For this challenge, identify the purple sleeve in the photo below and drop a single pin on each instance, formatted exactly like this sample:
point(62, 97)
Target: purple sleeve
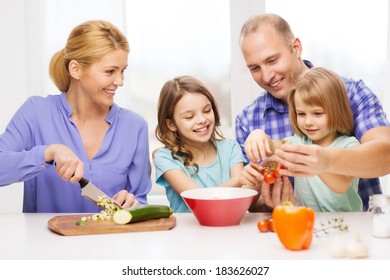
point(19, 159)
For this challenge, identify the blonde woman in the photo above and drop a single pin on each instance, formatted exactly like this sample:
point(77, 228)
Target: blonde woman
point(54, 141)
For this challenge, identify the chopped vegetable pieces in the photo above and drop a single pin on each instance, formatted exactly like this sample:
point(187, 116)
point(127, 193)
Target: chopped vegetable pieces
point(109, 209)
point(81, 223)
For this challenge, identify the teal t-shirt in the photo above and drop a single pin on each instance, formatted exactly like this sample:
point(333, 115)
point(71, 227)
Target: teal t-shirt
point(312, 191)
point(212, 175)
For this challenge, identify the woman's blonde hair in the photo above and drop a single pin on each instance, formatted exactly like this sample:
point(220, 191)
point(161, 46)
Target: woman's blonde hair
point(171, 93)
point(324, 88)
point(86, 44)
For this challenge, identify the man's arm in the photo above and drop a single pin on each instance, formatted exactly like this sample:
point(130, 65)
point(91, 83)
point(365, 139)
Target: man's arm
point(368, 160)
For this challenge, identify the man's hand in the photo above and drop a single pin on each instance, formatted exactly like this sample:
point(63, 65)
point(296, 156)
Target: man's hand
point(303, 160)
point(281, 190)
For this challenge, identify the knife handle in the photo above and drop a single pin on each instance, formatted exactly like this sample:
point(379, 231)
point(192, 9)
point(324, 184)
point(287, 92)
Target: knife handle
point(83, 182)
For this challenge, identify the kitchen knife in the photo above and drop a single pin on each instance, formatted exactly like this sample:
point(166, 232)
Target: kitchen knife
point(92, 193)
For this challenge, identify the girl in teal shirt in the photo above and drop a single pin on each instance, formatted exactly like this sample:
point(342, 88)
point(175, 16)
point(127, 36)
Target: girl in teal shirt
point(195, 153)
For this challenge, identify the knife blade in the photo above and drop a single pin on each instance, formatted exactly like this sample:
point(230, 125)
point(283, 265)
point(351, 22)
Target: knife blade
point(92, 193)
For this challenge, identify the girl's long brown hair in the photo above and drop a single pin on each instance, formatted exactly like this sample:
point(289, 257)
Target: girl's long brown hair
point(171, 93)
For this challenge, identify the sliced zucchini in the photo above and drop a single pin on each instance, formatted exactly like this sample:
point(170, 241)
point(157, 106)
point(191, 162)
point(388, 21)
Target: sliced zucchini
point(140, 213)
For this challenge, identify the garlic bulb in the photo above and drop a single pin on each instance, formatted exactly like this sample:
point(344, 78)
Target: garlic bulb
point(337, 248)
point(356, 248)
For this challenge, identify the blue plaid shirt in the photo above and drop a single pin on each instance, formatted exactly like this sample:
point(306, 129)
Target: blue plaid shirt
point(271, 115)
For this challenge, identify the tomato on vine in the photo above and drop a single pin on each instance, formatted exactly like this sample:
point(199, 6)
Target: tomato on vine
point(269, 178)
point(276, 172)
point(271, 171)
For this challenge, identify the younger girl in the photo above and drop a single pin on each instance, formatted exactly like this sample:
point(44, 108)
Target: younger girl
point(195, 154)
point(320, 114)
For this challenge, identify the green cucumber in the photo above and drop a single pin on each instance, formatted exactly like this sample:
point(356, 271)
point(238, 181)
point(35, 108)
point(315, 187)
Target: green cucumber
point(140, 213)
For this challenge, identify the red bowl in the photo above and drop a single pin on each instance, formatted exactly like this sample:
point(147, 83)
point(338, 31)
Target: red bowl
point(219, 206)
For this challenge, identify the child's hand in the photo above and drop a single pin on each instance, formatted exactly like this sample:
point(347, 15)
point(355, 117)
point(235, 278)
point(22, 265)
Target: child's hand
point(251, 174)
point(258, 145)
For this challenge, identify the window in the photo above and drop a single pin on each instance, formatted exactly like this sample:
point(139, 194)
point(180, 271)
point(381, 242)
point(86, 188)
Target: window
point(353, 44)
point(172, 38)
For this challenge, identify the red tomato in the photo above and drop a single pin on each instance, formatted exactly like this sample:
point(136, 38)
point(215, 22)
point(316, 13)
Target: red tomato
point(265, 170)
point(263, 226)
point(269, 178)
point(276, 170)
point(271, 225)
point(276, 173)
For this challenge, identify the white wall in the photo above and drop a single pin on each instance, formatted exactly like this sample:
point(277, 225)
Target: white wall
point(385, 181)
point(13, 58)
point(243, 88)
point(13, 75)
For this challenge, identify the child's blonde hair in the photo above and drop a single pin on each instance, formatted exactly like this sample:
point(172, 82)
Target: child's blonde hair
point(324, 88)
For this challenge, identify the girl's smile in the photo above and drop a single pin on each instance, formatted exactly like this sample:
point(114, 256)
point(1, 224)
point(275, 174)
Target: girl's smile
point(202, 131)
point(193, 119)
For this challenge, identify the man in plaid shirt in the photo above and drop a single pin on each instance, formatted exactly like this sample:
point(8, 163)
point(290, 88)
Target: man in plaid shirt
point(273, 56)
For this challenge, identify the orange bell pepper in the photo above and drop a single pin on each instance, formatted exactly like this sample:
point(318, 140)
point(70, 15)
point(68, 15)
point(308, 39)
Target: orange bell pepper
point(294, 225)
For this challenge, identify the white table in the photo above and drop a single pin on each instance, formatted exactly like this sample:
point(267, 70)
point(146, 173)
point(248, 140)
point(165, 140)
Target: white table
point(27, 237)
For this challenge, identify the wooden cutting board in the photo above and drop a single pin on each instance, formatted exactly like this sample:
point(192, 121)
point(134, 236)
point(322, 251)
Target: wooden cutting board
point(66, 225)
